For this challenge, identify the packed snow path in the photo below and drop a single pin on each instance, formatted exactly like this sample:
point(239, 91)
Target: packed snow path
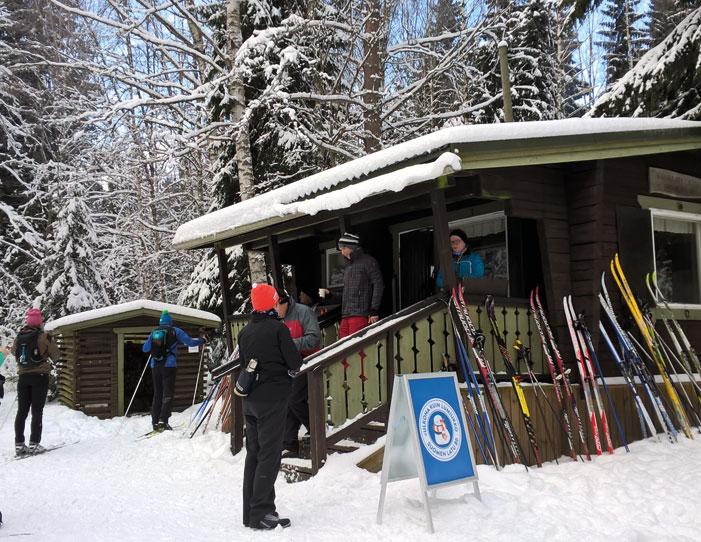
point(108, 486)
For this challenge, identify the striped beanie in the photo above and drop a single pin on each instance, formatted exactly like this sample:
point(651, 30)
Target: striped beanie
point(348, 240)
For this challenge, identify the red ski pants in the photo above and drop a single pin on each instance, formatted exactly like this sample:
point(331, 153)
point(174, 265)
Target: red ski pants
point(351, 324)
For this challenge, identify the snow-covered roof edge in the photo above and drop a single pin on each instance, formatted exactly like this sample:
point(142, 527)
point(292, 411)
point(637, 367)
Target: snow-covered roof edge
point(211, 227)
point(131, 306)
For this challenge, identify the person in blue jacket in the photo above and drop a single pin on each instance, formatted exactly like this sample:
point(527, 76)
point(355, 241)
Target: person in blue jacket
point(466, 263)
point(162, 344)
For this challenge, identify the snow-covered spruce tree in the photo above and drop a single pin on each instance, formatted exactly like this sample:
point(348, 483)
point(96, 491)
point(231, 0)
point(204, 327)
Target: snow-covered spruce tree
point(543, 82)
point(36, 97)
point(666, 81)
point(71, 282)
point(665, 15)
point(624, 39)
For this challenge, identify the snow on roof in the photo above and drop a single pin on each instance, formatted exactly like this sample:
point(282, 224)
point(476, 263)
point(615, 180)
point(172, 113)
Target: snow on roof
point(212, 226)
point(229, 218)
point(131, 306)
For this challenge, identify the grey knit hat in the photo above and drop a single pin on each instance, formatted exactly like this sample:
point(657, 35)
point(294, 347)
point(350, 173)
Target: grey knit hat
point(348, 240)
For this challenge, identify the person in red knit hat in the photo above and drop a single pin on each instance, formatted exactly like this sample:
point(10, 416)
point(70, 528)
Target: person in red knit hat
point(32, 349)
point(267, 340)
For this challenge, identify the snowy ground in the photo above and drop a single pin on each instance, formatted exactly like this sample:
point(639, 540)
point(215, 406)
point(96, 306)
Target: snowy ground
point(108, 486)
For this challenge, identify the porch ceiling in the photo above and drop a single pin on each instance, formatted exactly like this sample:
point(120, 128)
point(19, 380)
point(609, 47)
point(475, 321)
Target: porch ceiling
point(299, 204)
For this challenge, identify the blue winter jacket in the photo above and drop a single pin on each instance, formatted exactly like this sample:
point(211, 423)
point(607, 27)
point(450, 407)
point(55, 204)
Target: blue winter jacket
point(465, 266)
point(182, 338)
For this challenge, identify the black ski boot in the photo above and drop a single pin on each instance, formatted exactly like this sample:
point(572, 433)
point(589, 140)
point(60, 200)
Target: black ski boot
point(163, 426)
point(270, 522)
point(21, 450)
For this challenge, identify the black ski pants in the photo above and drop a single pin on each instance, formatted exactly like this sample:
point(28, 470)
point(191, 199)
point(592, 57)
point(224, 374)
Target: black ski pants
point(297, 412)
point(31, 394)
point(265, 424)
point(163, 389)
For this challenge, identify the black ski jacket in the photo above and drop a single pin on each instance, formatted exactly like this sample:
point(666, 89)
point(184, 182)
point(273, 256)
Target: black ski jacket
point(362, 285)
point(266, 339)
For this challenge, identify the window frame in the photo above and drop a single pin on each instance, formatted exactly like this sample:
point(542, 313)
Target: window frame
point(682, 216)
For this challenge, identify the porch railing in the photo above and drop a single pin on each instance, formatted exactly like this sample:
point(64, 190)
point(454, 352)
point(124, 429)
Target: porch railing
point(350, 380)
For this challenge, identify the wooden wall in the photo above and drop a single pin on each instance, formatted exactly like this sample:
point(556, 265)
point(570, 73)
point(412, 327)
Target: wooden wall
point(587, 212)
point(539, 193)
point(546, 422)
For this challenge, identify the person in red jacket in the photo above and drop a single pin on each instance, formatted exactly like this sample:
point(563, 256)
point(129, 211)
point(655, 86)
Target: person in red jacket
point(305, 333)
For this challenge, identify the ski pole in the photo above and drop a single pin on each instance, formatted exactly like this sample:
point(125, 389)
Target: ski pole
point(204, 404)
point(197, 381)
point(7, 416)
point(137, 386)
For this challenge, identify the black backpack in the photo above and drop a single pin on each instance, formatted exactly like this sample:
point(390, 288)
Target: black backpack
point(27, 350)
point(162, 339)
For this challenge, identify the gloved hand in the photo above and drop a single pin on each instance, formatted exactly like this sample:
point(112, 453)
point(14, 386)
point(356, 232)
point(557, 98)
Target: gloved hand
point(292, 373)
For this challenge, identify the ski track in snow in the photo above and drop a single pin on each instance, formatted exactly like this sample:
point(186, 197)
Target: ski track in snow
point(110, 487)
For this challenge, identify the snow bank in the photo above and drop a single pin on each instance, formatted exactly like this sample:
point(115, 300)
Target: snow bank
point(110, 487)
point(175, 310)
point(276, 202)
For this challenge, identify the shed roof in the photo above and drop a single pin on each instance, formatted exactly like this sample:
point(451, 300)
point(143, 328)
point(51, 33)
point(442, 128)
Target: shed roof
point(478, 147)
point(123, 311)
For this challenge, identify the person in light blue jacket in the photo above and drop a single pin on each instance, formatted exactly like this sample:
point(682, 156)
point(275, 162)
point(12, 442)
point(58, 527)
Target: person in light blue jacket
point(162, 344)
point(466, 263)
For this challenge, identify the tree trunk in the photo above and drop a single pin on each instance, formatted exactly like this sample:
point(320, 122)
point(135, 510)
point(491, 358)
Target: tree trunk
point(244, 160)
point(373, 76)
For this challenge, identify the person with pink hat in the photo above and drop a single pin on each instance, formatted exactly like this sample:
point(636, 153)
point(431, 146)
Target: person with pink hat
point(32, 349)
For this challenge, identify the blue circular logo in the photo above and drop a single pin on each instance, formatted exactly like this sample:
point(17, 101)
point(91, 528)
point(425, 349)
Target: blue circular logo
point(439, 429)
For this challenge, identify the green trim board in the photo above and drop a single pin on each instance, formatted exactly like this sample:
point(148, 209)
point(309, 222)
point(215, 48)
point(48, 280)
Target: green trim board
point(669, 204)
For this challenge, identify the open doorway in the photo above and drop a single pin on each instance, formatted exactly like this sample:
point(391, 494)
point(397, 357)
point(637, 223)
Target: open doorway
point(134, 361)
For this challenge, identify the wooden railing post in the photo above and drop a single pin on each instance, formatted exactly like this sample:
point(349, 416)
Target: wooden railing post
point(389, 367)
point(317, 418)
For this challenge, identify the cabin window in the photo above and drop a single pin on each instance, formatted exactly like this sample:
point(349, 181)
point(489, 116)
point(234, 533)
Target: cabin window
point(487, 235)
point(677, 245)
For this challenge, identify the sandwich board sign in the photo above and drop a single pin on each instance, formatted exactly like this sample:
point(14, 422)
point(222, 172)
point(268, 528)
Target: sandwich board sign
point(427, 437)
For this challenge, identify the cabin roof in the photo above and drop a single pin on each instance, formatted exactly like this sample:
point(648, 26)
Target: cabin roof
point(443, 152)
point(124, 311)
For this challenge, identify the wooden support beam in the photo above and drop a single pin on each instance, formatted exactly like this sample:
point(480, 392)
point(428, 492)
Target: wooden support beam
point(317, 418)
point(236, 402)
point(343, 224)
point(226, 297)
point(441, 241)
point(274, 261)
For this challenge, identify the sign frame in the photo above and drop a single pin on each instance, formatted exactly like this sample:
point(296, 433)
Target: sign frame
point(404, 458)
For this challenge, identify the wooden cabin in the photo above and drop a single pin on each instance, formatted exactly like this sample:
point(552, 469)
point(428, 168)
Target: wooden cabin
point(546, 204)
point(101, 358)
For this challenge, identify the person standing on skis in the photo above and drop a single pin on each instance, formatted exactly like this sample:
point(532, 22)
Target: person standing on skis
point(32, 349)
point(162, 344)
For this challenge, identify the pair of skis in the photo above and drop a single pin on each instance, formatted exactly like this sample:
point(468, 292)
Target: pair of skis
point(653, 346)
point(477, 342)
point(560, 376)
point(632, 366)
